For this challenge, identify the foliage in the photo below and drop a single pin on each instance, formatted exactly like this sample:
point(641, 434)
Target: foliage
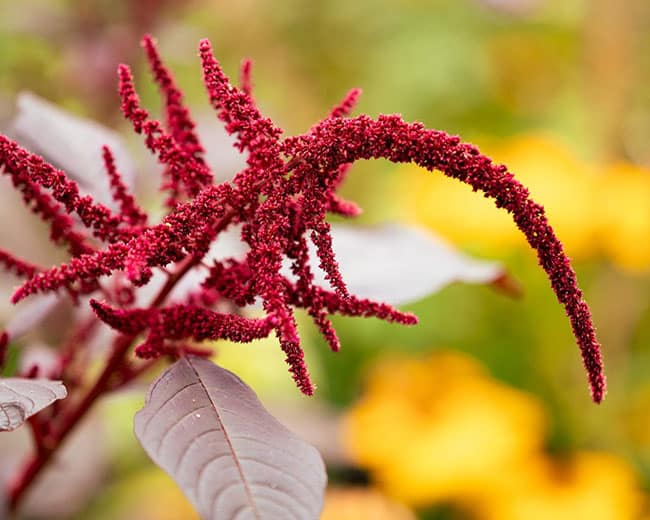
point(499, 327)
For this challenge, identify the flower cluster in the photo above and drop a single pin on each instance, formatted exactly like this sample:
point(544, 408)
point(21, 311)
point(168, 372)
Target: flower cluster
point(280, 200)
point(500, 467)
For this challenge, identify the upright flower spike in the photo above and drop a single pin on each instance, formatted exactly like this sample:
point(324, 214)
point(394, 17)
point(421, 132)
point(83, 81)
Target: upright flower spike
point(129, 210)
point(185, 168)
point(336, 204)
point(180, 126)
point(344, 108)
point(236, 108)
point(179, 122)
point(270, 222)
point(245, 77)
point(281, 199)
point(254, 133)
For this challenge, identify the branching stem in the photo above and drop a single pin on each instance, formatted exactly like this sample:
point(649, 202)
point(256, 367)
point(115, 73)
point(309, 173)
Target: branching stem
point(70, 416)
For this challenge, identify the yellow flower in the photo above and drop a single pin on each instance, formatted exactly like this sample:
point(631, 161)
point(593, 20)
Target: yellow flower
point(362, 504)
point(440, 429)
point(258, 364)
point(596, 486)
point(452, 210)
point(565, 186)
point(150, 495)
point(625, 216)
point(595, 210)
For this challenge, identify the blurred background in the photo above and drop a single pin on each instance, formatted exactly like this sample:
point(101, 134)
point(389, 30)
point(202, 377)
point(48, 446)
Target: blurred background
point(481, 411)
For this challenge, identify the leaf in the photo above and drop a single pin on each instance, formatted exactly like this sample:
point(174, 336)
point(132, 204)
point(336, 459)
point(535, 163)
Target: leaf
point(354, 502)
point(398, 264)
point(21, 398)
point(232, 459)
point(71, 143)
point(317, 423)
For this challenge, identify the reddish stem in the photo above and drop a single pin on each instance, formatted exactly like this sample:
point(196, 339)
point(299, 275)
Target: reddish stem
point(38, 436)
point(47, 448)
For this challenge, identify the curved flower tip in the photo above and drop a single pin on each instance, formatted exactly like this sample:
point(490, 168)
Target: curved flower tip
point(599, 389)
point(344, 108)
point(295, 358)
point(204, 45)
point(306, 387)
point(131, 321)
point(245, 81)
point(337, 141)
point(129, 210)
point(597, 379)
point(148, 42)
point(130, 100)
point(17, 265)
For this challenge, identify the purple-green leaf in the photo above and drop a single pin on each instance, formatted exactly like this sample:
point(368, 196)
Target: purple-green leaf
point(231, 458)
point(71, 143)
point(401, 264)
point(21, 398)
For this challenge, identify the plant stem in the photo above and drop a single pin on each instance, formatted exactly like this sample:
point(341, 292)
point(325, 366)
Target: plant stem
point(69, 419)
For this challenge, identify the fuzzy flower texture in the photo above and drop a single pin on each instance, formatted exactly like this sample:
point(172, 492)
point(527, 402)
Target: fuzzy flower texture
point(280, 200)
